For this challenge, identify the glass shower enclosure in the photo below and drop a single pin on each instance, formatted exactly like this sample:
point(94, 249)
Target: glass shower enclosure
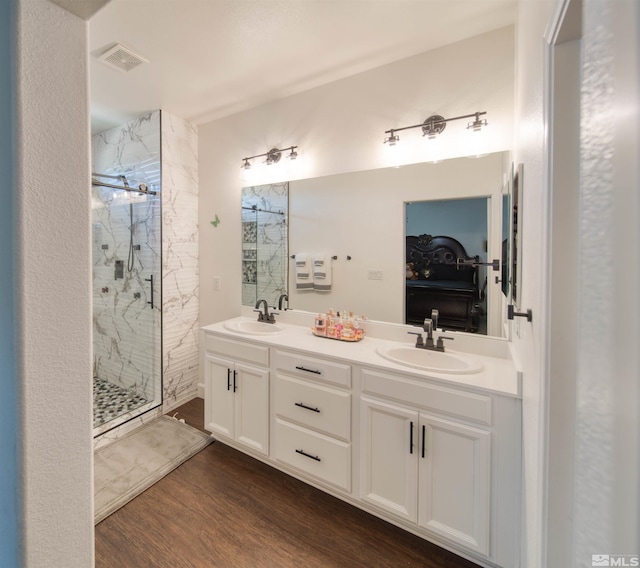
point(127, 268)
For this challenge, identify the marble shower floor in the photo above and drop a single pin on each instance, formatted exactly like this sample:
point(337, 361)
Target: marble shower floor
point(111, 401)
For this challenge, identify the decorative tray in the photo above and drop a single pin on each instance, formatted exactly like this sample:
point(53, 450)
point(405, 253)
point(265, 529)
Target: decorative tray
point(340, 338)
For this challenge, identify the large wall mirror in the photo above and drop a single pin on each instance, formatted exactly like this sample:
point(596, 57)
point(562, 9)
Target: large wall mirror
point(360, 222)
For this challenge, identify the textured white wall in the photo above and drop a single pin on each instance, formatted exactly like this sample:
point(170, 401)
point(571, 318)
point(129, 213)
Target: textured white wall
point(53, 218)
point(607, 508)
point(339, 128)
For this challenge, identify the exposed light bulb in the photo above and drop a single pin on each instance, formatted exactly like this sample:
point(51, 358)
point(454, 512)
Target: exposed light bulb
point(477, 124)
point(392, 138)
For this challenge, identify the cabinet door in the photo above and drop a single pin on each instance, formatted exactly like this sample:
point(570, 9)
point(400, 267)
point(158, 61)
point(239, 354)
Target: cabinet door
point(389, 458)
point(454, 482)
point(252, 407)
point(219, 396)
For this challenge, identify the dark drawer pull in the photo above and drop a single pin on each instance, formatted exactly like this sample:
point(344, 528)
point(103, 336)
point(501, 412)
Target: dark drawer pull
point(424, 437)
point(300, 368)
point(308, 455)
point(301, 405)
point(411, 438)
point(228, 379)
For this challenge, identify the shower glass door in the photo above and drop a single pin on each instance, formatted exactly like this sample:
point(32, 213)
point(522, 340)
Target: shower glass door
point(127, 262)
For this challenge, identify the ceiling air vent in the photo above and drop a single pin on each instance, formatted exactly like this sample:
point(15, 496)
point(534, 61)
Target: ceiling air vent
point(122, 58)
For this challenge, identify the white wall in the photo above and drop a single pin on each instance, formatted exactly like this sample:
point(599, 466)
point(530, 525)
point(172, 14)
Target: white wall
point(339, 128)
point(563, 330)
point(529, 339)
point(53, 285)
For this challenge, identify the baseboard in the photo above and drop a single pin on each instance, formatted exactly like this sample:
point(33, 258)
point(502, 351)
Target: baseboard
point(200, 390)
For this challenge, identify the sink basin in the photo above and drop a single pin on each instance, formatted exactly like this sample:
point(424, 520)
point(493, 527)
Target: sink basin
point(434, 361)
point(253, 327)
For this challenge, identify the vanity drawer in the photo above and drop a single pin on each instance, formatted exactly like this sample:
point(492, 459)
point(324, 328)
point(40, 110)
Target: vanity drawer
point(312, 368)
point(237, 350)
point(313, 405)
point(315, 454)
point(472, 406)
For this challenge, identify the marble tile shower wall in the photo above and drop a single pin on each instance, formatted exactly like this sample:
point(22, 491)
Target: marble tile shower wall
point(179, 259)
point(265, 259)
point(126, 329)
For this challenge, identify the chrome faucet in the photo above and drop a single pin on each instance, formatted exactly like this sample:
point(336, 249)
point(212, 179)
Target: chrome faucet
point(281, 299)
point(435, 314)
point(427, 343)
point(265, 316)
point(428, 329)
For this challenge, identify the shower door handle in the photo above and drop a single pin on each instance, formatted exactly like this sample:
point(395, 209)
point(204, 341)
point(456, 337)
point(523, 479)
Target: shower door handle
point(150, 279)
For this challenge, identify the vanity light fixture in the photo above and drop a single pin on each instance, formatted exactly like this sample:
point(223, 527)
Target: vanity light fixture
point(477, 124)
point(435, 125)
point(392, 138)
point(273, 156)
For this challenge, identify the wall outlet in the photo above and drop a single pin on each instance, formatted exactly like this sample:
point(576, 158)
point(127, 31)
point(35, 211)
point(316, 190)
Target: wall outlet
point(374, 274)
point(216, 282)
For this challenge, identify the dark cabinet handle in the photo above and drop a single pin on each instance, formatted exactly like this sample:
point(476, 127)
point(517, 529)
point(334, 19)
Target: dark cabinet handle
point(300, 368)
point(301, 405)
point(150, 279)
point(228, 379)
point(424, 435)
point(235, 384)
point(308, 455)
point(411, 438)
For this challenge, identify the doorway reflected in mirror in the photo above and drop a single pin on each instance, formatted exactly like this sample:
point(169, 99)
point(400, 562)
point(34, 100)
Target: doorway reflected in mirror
point(440, 237)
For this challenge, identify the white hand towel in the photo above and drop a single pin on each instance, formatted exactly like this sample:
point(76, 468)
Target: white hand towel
point(322, 272)
point(303, 274)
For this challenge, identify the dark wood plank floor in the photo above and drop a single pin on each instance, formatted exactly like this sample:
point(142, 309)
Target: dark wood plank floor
point(224, 509)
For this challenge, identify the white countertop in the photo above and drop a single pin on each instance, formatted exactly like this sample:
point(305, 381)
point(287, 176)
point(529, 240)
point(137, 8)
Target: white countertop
point(498, 375)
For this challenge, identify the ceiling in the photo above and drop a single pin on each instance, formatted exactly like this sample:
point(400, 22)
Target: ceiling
point(212, 58)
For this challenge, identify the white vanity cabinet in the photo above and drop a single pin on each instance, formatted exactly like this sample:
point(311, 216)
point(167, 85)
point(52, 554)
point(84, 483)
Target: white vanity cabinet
point(438, 456)
point(237, 392)
point(426, 456)
point(311, 411)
